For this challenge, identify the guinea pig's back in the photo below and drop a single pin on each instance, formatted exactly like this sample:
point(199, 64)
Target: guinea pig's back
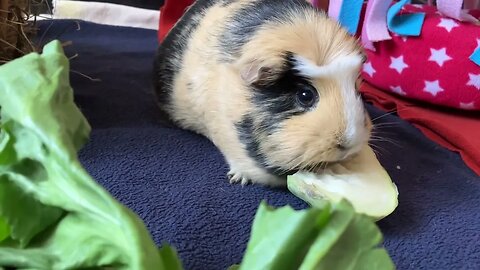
point(212, 32)
point(170, 54)
point(189, 72)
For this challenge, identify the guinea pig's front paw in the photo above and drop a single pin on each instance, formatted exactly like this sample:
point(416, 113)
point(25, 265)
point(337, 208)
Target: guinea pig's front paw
point(236, 177)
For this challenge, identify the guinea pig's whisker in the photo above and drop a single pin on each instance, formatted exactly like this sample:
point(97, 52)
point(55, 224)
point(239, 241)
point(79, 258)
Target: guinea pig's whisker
point(374, 149)
point(378, 150)
point(382, 132)
point(374, 145)
point(383, 115)
point(381, 135)
point(380, 140)
point(377, 136)
point(323, 165)
point(385, 139)
point(393, 142)
point(299, 163)
point(387, 124)
point(296, 163)
point(315, 168)
point(388, 113)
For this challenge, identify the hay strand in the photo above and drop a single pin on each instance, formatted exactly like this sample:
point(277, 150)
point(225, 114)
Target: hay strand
point(16, 29)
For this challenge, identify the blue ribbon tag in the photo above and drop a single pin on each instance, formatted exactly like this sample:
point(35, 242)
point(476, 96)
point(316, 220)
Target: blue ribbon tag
point(349, 16)
point(407, 24)
point(475, 57)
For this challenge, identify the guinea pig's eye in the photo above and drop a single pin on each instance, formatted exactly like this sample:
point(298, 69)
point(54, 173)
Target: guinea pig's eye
point(306, 96)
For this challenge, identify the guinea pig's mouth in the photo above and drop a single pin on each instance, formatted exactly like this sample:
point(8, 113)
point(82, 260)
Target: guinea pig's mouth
point(318, 167)
point(315, 168)
point(284, 173)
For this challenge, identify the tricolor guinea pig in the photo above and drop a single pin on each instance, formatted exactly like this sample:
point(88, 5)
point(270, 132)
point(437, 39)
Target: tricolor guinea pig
point(272, 83)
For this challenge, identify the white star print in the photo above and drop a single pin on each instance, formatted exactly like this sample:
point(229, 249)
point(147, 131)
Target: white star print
point(474, 80)
point(478, 44)
point(467, 106)
point(398, 64)
point(433, 87)
point(398, 90)
point(439, 56)
point(448, 24)
point(368, 68)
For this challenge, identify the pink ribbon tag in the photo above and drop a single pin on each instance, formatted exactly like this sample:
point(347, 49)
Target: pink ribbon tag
point(334, 9)
point(454, 9)
point(375, 24)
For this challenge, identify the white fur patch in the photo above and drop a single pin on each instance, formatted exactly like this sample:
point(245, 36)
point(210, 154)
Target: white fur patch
point(345, 71)
point(349, 63)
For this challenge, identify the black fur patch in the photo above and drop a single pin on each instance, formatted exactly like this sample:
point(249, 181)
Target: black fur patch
point(245, 23)
point(273, 105)
point(279, 100)
point(247, 134)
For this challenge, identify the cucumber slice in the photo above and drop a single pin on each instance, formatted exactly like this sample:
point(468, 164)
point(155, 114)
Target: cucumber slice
point(362, 181)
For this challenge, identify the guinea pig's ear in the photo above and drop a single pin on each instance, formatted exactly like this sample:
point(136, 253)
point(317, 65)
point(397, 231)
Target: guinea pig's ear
point(260, 72)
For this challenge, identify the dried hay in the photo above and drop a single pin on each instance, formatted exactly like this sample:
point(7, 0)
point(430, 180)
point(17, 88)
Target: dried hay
point(16, 29)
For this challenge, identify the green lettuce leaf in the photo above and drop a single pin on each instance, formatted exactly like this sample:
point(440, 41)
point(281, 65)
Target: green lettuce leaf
point(332, 237)
point(53, 215)
point(4, 229)
point(24, 224)
point(170, 258)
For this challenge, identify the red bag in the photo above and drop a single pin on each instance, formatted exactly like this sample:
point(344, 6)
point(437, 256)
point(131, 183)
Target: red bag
point(434, 67)
point(170, 12)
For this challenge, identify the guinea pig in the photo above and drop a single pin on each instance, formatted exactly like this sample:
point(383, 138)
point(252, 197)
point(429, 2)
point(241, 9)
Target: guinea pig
point(272, 83)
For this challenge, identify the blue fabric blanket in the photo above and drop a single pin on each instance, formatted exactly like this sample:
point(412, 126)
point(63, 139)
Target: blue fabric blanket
point(175, 180)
